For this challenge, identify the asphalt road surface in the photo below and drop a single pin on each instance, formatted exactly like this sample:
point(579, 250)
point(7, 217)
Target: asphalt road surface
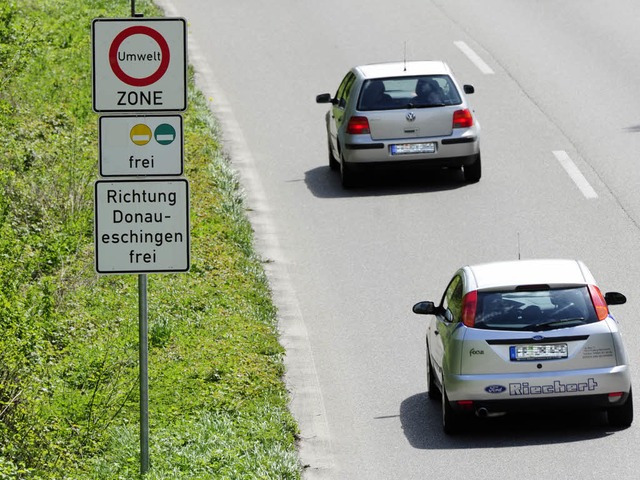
point(558, 100)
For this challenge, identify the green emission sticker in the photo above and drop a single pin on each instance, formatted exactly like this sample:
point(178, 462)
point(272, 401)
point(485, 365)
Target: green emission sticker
point(141, 134)
point(164, 134)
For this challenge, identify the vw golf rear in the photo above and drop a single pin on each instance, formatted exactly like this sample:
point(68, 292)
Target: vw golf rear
point(401, 113)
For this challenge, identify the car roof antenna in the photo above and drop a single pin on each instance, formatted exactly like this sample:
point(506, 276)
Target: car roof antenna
point(518, 245)
point(405, 55)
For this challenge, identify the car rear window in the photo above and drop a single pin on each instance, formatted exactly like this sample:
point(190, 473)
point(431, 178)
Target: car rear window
point(535, 309)
point(403, 92)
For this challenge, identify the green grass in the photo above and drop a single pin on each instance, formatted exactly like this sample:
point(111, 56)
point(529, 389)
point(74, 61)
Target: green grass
point(69, 405)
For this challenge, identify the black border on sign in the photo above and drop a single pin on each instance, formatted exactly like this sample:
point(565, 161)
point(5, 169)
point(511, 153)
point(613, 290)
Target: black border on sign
point(141, 22)
point(95, 226)
point(100, 146)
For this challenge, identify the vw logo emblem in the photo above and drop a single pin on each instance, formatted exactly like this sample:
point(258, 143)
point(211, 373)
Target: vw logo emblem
point(410, 116)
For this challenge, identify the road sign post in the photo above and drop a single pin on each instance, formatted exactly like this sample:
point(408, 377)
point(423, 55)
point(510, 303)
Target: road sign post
point(141, 226)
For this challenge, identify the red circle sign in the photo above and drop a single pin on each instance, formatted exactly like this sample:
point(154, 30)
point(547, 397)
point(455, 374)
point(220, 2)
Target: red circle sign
point(164, 60)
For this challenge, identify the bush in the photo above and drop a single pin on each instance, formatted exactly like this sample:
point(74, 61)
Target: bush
point(69, 399)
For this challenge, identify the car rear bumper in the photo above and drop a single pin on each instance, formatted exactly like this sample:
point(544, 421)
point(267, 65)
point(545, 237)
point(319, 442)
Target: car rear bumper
point(591, 386)
point(450, 151)
point(492, 407)
point(430, 163)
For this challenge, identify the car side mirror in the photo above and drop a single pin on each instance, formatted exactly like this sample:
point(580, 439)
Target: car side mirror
point(323, 98)
point(424, 308)
point(469, 89)
point(615, 298)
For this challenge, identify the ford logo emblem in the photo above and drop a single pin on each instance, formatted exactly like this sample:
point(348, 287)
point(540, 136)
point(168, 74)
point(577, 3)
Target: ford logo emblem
point(538, 338)
point(495, 389)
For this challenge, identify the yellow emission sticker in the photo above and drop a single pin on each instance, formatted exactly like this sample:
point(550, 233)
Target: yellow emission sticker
point(140, 134)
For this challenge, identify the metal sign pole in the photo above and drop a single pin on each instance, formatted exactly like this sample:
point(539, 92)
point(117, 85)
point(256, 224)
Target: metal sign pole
point(143, 320)
point(166, 94)
point(144, 374)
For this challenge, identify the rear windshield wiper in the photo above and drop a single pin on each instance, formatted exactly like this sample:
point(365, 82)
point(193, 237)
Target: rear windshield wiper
point(549, 324)
point(425, 105)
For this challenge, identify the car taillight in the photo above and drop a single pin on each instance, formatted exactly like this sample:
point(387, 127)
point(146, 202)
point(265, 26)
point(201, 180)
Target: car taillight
point(599, 303)
point(358, 125)
point(465, 404)
point(615, 396)
point(469, 303)
point(462, 118)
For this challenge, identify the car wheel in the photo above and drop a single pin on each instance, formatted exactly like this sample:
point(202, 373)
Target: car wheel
point(473, 172)
point(333, 163)
point(451, 421)
point(346, 175)
point(622, 416)
point(432, 389)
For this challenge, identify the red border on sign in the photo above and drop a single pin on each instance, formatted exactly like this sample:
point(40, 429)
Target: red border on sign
point(139, 30)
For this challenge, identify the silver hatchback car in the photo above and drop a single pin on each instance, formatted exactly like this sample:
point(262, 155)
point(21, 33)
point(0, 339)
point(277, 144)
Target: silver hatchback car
point(401, 113)
point(525, 335)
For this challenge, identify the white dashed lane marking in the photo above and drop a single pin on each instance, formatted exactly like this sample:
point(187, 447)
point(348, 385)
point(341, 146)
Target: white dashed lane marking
point(575, 174)
point(474, 57)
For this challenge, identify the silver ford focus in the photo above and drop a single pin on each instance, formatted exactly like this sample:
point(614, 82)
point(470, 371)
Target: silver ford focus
point(389, 114)
point(525, 335)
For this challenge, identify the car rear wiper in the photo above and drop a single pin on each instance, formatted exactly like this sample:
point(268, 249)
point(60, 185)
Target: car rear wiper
point(549, 324)
point(425, 105)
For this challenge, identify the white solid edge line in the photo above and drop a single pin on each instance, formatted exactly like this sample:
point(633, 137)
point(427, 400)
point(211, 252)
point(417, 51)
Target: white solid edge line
point(315, 449)
point(574, 172)
point(474, 57)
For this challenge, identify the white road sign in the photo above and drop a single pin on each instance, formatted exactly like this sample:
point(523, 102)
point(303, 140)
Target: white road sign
point(142, 226)
point(139, 64)
point(141, 145)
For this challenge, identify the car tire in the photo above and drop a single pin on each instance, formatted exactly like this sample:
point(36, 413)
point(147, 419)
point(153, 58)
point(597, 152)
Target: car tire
point(334, 164)
point(432, 389)
point(473, 172)
point(451, 420)
point(346, 175)
point(621, 417)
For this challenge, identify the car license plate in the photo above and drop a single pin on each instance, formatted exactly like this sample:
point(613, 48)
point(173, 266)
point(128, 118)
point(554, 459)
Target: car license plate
point(538, 352)
point(406, 148)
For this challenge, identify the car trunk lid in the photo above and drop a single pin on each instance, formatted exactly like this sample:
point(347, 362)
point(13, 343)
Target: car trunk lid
point(411, 123)
point(504, 352)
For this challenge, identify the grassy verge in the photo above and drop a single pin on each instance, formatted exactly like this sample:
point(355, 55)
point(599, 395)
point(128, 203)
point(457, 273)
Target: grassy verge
point(69, 349)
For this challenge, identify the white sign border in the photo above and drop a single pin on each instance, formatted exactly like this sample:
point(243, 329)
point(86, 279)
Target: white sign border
point(102, 148)
point(135, 108)
point(143, 271)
